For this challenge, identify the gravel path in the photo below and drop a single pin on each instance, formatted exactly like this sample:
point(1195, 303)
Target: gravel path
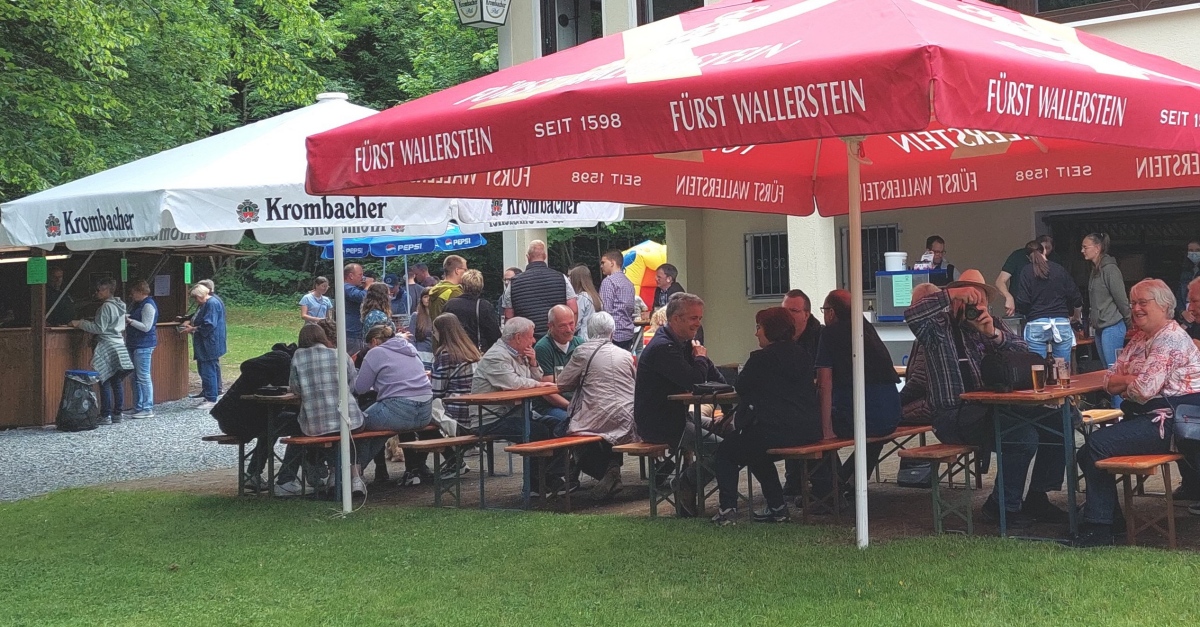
point(37, 461)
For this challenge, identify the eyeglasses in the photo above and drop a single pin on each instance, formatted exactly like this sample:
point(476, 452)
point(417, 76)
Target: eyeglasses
point(824, 309)
point(1142, 302)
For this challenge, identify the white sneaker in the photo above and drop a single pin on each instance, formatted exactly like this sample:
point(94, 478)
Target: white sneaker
point(141, 414)
point(357, 487)
point(206, 405)
point(291, 488)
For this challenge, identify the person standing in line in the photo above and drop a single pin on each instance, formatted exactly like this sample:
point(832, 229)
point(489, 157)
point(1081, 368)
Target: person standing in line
point(617, 291)
point(110, 359)
point(453, 268)
point(1109, 312)
point(62, 313)
point(355, 292)
point(1049, 299)
point(666, 285)
point(315, 305)
point(585, 296)
point(141, 336)
point(533, 292)
point(476, 314)
point(1016, 261)
point(1190, 271)
point(208, 342)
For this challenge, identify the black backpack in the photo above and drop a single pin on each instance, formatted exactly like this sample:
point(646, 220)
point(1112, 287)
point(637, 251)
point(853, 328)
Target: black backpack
point(1008, 371)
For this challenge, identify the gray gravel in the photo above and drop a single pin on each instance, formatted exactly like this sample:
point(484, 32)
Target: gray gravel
point(37, 461)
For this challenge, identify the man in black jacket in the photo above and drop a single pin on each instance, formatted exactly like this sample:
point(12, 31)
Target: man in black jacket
point(807, 334)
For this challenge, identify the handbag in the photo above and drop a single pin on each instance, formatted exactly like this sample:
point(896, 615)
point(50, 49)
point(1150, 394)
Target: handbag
point(1009, 370)
point(1186, 429)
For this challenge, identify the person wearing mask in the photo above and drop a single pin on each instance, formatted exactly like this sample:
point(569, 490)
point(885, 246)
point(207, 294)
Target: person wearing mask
point(315, 305)
point(403, 398)
point(807, 333)
point(585, 296)
point(1049, 299)
point(110, 358)
point(141, 336)
point(601, 376)
point(1190, 271)
point(553, 352)
point(1011, 271)
point(1160, 362)
point(619, 296)
point(61, 314)
point(376, 308)
point(476, 314)
point(208, 342)
point(776, 408)
point(936, 246)
point(1108, 305)
point(533, 292)
point(665, 284)
point(355, 292)
point(453, 268)
point(835, 384)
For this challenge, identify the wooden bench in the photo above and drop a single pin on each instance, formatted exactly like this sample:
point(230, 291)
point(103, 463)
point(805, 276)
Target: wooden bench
point(243, 471)
point(957, 458)
point(1125, 467)
point(459, 444)
point(328, 441)
point(1094, 417)
point(550, 448)
point(645, 451)
point(827, 450)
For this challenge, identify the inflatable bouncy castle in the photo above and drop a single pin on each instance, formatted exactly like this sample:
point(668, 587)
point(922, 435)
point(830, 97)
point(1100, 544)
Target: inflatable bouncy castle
point(640, 263)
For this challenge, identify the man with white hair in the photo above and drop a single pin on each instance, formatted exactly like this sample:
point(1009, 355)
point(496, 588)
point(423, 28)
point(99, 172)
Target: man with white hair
point(602, 375)
point(537, 289)
point(511, 364)
point(553, 352)
point(208, 342)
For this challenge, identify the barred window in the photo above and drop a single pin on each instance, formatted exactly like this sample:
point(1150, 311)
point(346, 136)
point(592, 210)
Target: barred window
point(766, 265)
point(876, 240)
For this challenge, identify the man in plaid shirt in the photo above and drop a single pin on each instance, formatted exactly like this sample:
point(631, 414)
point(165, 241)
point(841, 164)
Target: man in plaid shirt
point(617, 294)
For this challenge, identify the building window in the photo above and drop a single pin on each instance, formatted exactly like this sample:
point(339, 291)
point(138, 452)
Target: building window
point(876, 240)
point(1064, 11)
point(654, 10)
point(766, 265)
point(567, 23)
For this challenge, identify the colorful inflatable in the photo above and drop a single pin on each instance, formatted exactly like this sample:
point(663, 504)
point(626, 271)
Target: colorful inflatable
point(640, 263)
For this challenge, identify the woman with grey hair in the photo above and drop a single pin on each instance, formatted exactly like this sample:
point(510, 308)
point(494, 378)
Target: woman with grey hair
point(602, 375)
point(110, 358)
point(1160, 362)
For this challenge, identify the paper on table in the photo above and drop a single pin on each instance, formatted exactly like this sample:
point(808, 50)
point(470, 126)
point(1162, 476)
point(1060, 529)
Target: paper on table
point(901, 290)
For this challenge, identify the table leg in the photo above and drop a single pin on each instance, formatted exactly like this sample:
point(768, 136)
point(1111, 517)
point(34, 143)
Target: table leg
point(996, 420)
point(272, 412)
point(1068, 434)
point(700, 485)
point(527, 410)
point(482, 471)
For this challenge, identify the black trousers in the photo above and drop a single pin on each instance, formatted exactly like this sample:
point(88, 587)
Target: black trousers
point(747, 448)
point(596, 459)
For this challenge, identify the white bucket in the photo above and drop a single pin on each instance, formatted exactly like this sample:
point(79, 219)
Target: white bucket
point(895, 262)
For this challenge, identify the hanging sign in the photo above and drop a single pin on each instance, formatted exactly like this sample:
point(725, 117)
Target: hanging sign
point(482, 13)
point(35, 271)
point(124, 270)
point(187, 273)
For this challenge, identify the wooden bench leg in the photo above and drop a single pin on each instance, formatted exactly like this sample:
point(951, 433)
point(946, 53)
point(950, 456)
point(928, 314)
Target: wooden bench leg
point(653, 485)
point(243, 471)
point(566, 479)
point(835, 481)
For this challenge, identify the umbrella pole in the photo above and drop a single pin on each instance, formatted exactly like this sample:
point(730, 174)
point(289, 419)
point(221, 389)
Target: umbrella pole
point(853, 144)
point(339, 299)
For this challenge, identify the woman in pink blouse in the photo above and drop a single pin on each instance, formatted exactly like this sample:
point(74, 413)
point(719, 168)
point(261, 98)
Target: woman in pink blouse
point(1159, 362)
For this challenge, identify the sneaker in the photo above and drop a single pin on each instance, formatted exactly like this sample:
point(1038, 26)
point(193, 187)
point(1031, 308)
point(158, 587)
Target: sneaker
point(291, 488)
point(206, 405)
point(448, 472)
point(608, 485)
point(1093, 535)
point(105, 420)
point(1038, 507)
point(357, 487)
point(425, 473)
point(409, 478)
point(139, 415)
point(116, 418)
point(254, 483)
point(1015, 520)
point(725, 517)
point(773, 515)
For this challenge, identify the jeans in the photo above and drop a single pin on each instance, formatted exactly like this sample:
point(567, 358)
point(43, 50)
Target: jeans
point(511, 427)
point(393, 414)
point(210, 378)
point(1137, 435)
point(143, 385)
point(556, 420)
point(1109, 340)
point(746, 449)
point(112, 394)
point(1041, 333)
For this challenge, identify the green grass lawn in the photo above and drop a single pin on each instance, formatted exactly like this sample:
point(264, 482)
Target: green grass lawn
point(87, 557)
point(251, 331)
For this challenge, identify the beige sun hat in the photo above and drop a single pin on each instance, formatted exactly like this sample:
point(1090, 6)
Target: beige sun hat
point(974, 278)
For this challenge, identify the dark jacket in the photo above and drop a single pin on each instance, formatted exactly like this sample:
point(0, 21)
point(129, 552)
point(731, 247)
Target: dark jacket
point(535, 291)
point(244, 418)
point(208, 342)
point(661, 297)
point(811, 338)
point(667, 367)
point(1056, 296)
point(777, 397)
point(483, 335)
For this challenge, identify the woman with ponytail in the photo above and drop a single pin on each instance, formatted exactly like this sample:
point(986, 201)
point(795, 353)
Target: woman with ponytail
point(1107, 300)
point(1049, 299)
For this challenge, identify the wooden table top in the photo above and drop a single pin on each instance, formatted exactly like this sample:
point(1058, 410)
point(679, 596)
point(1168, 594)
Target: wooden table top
point(688, 397)
point(506, 396)
point(290, 398)
point(1080, 384)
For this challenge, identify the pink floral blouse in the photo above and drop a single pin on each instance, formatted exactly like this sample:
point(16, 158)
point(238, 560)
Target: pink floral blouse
point(1167, 364)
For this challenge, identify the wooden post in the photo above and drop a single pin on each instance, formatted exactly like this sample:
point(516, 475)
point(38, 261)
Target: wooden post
point(37, 341)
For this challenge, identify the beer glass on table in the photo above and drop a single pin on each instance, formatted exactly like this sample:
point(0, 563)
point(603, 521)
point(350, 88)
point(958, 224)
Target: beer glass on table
point(1064, 372)
point(1039, 377)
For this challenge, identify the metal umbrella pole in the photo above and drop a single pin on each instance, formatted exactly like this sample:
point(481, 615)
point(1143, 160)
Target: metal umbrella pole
point(343, 380)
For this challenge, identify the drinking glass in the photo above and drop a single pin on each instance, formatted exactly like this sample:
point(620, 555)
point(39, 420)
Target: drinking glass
point(1039, 377)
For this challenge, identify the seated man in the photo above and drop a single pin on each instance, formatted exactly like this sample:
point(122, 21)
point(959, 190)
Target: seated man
point(1158, 363)
point(955, 330)
point(511, 364)
point(602, 374)
point(553, 352)
point(247, 419)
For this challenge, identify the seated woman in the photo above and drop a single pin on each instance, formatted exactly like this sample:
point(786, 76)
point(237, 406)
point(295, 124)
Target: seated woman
point(1158, 363)
point(777, 408)
point(403, 398)
point(420, 327)
point(602, 375)
point(377, 308)
point(313, 377)
point(454, 359)
point(835, 383)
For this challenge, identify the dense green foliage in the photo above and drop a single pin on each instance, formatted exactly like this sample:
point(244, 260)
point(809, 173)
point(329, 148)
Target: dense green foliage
point(89, 557)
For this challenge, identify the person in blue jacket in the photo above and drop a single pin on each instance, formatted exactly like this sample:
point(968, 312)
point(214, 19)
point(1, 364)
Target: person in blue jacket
point(141, 336)
point(208, 342)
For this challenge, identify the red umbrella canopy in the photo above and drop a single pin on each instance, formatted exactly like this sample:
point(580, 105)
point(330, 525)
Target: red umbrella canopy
point(729, 107)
